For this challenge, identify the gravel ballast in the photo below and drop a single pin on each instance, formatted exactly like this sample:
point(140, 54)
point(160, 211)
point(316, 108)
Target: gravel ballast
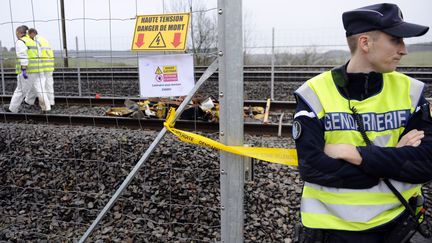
point(56, 179)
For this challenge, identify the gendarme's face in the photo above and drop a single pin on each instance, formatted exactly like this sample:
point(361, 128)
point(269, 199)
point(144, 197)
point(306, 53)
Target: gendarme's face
point(385, 52)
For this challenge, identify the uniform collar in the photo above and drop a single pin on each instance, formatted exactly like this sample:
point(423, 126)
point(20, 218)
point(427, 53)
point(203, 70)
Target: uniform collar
point(357, 86)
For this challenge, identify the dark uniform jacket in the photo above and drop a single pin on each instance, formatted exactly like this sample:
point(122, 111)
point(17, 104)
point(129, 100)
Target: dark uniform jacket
point(406, 164)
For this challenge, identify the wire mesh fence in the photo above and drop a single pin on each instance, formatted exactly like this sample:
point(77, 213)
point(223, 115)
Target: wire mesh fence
point(54, 192)
point(56, 180)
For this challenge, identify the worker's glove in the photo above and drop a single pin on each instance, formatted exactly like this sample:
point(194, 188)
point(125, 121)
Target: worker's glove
point(24, 73)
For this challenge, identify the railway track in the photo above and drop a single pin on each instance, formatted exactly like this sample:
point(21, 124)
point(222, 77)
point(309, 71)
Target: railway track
point(251, 73)
point(119, 101)
point(277, 122)
point(123, 82)
point(251, 127)
point(282, 74)
point(256, 128)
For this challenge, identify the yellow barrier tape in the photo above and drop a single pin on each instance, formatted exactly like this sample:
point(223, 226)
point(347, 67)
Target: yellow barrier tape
point(274, 155)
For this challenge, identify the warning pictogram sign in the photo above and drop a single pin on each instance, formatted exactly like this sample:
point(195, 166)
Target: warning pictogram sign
point(158, 70)
point(164, 32)
point(158, 42)
point(169, 74)
point(166, 75)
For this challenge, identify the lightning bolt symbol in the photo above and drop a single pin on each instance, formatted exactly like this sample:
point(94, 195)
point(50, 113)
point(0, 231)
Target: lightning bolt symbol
point(158, 40)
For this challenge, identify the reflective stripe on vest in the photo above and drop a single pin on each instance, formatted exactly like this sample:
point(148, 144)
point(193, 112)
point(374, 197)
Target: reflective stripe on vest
point(310, 97)
point(349, 209)
point(384, 118)
point(416, 90)
point(34, 64)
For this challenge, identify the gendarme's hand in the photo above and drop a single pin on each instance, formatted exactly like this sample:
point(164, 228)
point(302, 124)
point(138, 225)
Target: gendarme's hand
point(412, 138)
point(350, 153)
point(346, 152)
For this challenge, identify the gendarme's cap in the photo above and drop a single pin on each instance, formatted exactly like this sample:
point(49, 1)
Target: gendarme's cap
point(385, 17)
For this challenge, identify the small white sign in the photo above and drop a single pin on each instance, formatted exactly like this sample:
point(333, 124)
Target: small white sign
point(167, 75)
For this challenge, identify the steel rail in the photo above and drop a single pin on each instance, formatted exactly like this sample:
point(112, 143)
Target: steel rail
point(250, 75)
point(119, 101)
point(256, 128)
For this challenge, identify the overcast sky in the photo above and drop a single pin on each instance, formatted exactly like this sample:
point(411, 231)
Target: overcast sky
point(300, 22)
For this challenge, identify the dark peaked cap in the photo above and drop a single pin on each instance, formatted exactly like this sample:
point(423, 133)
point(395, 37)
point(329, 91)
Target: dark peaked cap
point(385, 17)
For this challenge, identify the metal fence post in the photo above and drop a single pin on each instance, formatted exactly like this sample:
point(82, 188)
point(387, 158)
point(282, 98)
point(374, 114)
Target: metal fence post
point(63, 21)
point(78, 67)
point(272, 66)
point(1, 69)
point(230, 47)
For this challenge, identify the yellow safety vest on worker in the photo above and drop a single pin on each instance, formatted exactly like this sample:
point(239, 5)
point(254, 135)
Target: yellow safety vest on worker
point(47, 54)
point(34, 65)
point(384, 117)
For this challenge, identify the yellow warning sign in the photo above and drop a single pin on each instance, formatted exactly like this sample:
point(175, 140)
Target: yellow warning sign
point(274, 155)
point(158, 71)
point(169, 69)
point(163, 32)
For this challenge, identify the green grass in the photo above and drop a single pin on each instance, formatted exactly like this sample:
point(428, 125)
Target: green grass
point(417, 59)
point(89, 63)
point(9, 62)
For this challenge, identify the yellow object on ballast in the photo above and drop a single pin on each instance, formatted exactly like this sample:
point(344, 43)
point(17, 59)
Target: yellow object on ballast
point(119, 111)
point(274, 155)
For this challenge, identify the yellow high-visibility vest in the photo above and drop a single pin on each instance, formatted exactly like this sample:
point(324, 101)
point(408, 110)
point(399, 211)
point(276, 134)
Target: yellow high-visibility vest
point(384, 116)
point(47, 54)
point(34, 65)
